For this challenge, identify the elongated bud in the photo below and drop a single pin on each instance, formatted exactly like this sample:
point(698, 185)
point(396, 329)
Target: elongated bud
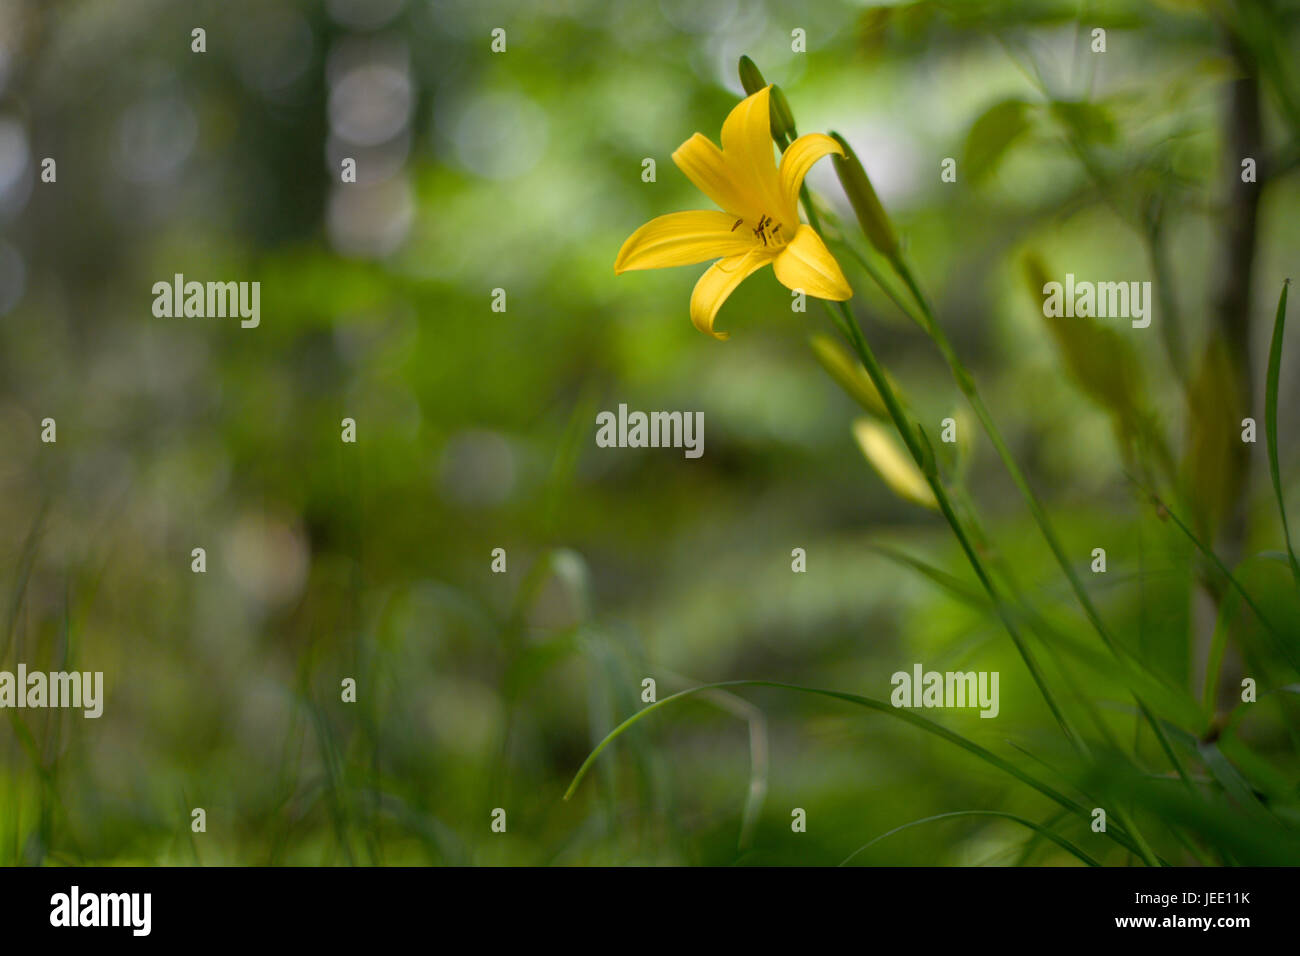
point(750, 77)
point(1035, 276)
point(782, 117)
point(848, 374)
point(866, 204)
point(892, 463)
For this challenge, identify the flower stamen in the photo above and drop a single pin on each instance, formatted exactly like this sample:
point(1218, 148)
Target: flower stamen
point(765, 231)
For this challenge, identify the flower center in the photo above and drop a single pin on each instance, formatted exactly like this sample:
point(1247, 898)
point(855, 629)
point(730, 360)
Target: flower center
point(765, 230)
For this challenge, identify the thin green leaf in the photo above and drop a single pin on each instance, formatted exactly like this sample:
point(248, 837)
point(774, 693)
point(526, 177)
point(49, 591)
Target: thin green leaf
point(1270, 422)
point(992, 134)
point(25, 564)
point(870, 703)
point(1280, 642)
point(955, 586)
point(1230, 778)
point(1249, 839)
point(1121, 665)
point(1218, 647)
point(1037, 828)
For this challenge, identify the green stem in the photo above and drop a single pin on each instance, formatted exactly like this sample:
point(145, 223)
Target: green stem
point(869, 267)
point(848, 326)
point(967, 385)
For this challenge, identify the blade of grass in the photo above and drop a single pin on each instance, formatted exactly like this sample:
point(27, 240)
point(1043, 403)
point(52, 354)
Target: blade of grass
point(1278, 638)
point(1037, 828)
point(1139, 683)
point(1231, 780)
point(25, 563)
point(756, 793)
point(1027, 851)
point(946, 581)
point(1250, 840)
point(905, 715)
point(1144, 849)
point(1270, 422)
point(1218, 647)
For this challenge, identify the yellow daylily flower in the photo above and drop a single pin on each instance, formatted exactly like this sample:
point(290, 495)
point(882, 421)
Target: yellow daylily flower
point(757, 224)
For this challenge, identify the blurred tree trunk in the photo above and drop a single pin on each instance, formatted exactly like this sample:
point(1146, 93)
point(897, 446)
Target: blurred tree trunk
point(1233, 302)
point(1228, 375)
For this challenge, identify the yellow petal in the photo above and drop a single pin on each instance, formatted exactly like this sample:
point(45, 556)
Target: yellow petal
point(748, 150)
point(682, 239)
point(718, 282)
point(799, 157)
point(704, 166)
point(892, 463)
point(805, 263)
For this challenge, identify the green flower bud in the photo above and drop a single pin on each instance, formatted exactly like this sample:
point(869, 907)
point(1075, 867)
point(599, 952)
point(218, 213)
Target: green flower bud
point(866, 204)
point(782, 117)
point(750, 77)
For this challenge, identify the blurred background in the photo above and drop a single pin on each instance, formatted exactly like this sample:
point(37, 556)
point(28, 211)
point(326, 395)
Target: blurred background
point(522, 171)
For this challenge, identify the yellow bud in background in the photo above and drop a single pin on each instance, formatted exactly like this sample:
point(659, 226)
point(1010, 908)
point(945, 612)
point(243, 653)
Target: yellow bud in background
point(892, 463)
point(866, 204)
point(1036, 276)
point(848, 373)
point(1099, 360)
